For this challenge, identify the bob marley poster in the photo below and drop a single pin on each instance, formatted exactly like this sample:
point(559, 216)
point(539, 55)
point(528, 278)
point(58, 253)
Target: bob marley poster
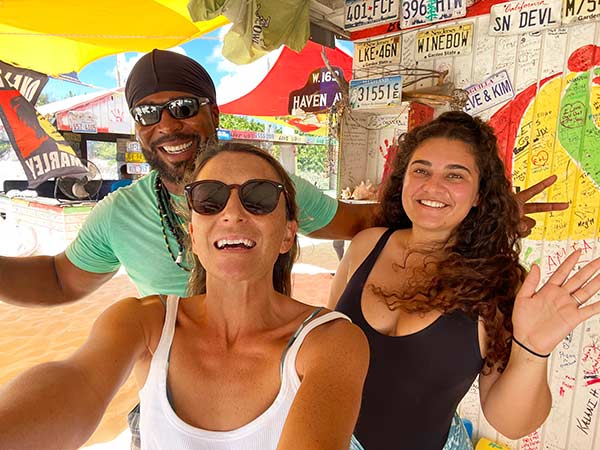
point(41, 149)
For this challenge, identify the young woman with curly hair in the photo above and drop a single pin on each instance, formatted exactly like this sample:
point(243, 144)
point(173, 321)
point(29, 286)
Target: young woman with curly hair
point(447, 300)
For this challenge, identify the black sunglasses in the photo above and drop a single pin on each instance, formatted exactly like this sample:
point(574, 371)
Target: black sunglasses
point(210, 196)
point(179, 108)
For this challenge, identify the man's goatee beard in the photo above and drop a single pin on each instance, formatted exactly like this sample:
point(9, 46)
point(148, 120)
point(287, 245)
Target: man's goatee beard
point(179, 173)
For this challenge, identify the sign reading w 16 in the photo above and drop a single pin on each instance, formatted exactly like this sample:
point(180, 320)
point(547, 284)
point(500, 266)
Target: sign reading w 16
point(417, 12)
point(367, 13)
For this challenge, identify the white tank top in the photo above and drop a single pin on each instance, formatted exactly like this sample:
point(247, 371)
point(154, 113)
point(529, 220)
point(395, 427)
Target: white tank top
point(161, 428)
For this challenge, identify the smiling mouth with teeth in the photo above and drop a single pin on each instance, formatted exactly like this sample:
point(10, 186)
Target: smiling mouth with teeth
point(234, 243)
point(175, 149)
point(432, 203)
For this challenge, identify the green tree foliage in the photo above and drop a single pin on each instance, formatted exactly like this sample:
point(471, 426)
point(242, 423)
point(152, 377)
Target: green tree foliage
point(234, 122)
point(312, 164)
point(5, 149)
point(275, 151)
point(102, 150)
point(104, 155)
point(43, 99)
point(312, 158)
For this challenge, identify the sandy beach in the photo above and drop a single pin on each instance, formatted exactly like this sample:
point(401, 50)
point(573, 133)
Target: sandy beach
point(32, 336)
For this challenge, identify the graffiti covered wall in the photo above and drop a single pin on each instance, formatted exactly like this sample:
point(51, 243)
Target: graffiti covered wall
point(541, 92)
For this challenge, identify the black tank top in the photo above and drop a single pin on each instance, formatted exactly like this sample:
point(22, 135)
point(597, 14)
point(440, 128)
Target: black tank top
point(415, 382)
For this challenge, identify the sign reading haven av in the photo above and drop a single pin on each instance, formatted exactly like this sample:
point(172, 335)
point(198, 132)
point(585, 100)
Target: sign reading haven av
point(319, 93)
point(417, 12)
point(524, 16)
point(490, 92)
point(448, 41)
point(375, 54)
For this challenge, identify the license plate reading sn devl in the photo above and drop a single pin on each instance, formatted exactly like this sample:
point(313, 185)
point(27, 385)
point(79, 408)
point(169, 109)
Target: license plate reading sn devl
point(372, 93)
point(361, 13)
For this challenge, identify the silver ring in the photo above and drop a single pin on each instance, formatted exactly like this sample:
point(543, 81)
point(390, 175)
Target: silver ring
point(577, 299)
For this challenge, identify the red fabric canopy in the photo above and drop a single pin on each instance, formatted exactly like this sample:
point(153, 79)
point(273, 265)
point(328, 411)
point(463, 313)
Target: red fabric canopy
point(290, 72)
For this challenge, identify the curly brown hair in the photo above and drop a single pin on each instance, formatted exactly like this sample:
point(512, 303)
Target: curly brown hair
point(282, 270)
point(478, 270)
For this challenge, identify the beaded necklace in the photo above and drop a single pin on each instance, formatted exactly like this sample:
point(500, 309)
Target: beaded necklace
point(168, 216)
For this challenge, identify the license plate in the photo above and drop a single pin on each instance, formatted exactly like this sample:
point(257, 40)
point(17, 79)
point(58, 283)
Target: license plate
point(417, 12)
point(580, 10)
point(366, 13)
point(454, 40)
point(376, 93)
point(372, 54)
point(135, 157)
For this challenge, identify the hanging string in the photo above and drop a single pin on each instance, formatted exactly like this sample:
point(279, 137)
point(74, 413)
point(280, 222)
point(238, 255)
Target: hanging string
point(172, 221)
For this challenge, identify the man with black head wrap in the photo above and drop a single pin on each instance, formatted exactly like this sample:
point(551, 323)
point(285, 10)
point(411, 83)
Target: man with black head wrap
point(173, 101)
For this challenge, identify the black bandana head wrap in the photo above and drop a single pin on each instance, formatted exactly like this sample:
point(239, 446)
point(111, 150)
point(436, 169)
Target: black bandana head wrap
point(162, 70)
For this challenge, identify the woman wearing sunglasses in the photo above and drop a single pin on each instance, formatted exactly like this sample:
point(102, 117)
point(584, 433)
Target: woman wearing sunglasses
point(237, 365)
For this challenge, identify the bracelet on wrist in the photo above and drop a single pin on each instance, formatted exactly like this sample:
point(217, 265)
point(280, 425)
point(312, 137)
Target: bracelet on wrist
point(539, 355)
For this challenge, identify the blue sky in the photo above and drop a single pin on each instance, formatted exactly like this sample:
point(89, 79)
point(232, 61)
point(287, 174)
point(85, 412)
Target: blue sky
point(102, 74)
point(232, 81)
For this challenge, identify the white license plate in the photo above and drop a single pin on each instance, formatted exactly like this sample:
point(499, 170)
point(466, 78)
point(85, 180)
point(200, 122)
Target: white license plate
point(381, 52)
point(580, 10)
point(374, 93)
point(367, 13)
point(416, 12)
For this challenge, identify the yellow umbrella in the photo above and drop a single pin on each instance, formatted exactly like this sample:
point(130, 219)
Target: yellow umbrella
point(62, 36)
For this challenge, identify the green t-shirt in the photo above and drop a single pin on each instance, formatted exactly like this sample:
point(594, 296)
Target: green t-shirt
point(125, 229)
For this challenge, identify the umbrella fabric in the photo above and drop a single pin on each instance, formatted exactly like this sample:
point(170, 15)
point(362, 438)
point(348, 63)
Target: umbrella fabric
point(60, 36)
point(292, 71)
point(258, 26)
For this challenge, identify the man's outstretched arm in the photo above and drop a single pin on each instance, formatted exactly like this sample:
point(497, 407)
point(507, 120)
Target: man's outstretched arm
point(45, 280)
point(350, 218)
